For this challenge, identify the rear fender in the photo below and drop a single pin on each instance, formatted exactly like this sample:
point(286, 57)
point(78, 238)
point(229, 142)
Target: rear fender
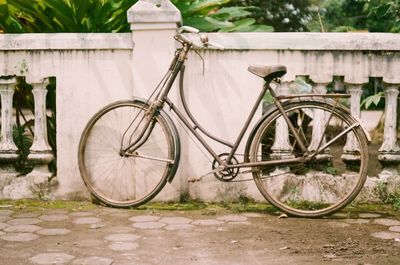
point(272, 108)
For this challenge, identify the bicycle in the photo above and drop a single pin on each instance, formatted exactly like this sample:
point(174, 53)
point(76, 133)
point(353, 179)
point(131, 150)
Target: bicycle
point(130, 149)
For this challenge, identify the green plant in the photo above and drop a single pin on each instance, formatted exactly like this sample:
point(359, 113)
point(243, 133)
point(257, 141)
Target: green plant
point(291, 15)
point(376, 98)
point(215, 15)
point(389, 197)
point(18, 16)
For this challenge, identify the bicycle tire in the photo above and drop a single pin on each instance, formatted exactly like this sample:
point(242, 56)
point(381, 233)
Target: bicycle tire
point(322, 185)
point(126, 181)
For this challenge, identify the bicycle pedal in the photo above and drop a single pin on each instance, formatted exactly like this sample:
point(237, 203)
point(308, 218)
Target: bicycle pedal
point(194, 179)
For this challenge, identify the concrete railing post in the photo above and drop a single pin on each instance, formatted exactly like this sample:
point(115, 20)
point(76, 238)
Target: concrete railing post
point(40, 152)
point(389, 152)
point(351, 149)
point(154, 24)
point(8, 149)
point(320, 119)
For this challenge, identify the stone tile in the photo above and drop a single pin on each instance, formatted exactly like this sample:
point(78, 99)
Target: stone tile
point(52, 258)
point(122, 237)
point(387, 222)
point(337, 224)
point(86, 220)
point(175, 220)
point(340, 215)
point(207, 222)
point(54, 217)
point(239, 223)
point(254, 215)
point(232, 218)
point(369, 215)
point(386, 235)
point(19, 237)
point(97, 226)
point(24, 221)
point(357, 221)
point(57, 211)
point(123, 246)
point(89, 243)
point(26, 215)
point(3, 225)
point(149, 225)
point(6, 212)
point(81, 214)
point(119, 229)
point(2, 233)
point(395, 228)
point(144, 218)
point(93, 261)
point(53, 232)
point(4, 218)
point(22, 229)
point(178, 227)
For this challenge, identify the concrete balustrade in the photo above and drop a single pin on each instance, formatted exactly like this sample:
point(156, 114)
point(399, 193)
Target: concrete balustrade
point(93, 70)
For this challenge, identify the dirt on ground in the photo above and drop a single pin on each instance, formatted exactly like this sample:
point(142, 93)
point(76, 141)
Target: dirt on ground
point(209, 236)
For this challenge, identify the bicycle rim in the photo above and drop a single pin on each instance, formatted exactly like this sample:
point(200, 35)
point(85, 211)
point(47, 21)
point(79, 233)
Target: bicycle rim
point(322, 185)
point(118, 180)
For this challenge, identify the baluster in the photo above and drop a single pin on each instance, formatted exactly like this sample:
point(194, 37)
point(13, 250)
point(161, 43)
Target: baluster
point(281, 148)
point(351, 149)
point(8, 149)
point(389, 152)
point(319, 123)
point(40, 151)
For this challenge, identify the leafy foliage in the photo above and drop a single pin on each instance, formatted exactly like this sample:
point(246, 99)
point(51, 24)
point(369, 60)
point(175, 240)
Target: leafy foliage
point(19, 16)
point(372, 99)
point(351, 15)
point(212, 15)
point(291, 15)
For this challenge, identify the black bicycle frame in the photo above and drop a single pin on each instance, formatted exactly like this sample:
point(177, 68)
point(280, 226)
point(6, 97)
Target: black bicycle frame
point(192, 125)
point(177, 66)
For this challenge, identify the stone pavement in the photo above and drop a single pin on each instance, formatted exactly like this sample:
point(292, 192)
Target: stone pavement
point(104, 236)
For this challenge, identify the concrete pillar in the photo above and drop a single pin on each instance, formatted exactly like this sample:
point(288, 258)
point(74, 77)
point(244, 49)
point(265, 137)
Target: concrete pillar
point(154, 24)
point(40, 152)
point(320, 118)
point(282, 148)
point(351, 149)
point(8, 149)
point(389, 152)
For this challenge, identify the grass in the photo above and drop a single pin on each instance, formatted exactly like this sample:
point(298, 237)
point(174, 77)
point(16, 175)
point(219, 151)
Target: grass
point(29, 204)
point(242, 206)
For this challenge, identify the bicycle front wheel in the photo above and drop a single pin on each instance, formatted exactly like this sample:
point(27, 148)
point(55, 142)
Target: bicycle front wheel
point(115, 178)
point(326, 182)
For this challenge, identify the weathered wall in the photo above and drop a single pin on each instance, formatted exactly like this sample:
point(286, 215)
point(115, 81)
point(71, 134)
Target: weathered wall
point(92, 70)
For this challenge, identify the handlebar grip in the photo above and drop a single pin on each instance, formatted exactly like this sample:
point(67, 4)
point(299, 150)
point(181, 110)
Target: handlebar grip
point(183, 38)
point(188, 29)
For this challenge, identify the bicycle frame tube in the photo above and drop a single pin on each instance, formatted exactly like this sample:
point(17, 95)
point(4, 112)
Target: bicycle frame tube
point(192, 128)
point(177, 66)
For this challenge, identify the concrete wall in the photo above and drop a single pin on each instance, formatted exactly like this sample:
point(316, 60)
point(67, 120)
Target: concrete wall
point(92, 70)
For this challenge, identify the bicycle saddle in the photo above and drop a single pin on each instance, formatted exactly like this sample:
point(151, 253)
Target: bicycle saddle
point(268, 72)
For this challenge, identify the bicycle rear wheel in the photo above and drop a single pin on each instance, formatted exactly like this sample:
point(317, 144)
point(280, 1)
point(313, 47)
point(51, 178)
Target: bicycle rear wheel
point(327, 182)
point(114, 178)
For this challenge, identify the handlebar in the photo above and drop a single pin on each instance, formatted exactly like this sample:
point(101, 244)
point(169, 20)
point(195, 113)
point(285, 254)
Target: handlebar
point(203, 38)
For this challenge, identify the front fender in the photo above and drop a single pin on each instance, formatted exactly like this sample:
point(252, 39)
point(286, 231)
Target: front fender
point(175, 136)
